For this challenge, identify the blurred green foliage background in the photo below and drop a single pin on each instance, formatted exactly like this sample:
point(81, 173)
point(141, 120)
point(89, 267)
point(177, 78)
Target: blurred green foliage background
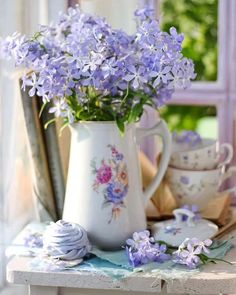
point(198, 20)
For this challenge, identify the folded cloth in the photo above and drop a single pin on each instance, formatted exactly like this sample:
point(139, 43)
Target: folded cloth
point(105, 267)
point(220, 248)
point(115, 264)
point(119, 258)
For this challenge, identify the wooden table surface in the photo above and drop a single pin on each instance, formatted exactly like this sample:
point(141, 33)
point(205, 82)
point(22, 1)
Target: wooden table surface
point(213, 279)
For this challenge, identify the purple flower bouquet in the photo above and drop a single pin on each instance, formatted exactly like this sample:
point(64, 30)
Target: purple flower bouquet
point(88, 71)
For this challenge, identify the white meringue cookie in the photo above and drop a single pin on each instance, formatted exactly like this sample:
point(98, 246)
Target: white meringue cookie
point(65, 240)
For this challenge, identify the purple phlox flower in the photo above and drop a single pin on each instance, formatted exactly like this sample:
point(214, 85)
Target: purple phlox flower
point(176, 80)
point(94, 62)
point(181, 247)
point(178, 38)
point(162, 76)
point(145, 13)
point(69, 115)
point(187, 256)
point(187, 67)
point(120, 42)
point(82, 51)
point(143, 249)
point(109, 67)
point(91, 78)
point(67, 87)
point(72, 15)
point(189, 251)
point(147, 33)
point(164, 94)
point(140, 239)
point(201, 245)
point(137, 257)
point(59, 108)
point(136, 76)
point(7, 45)
point(14, 46)
point(182, 72)
point(40, 63)
point(30, 81)
point(157, 253)
point(45, 88)
point(33, 240)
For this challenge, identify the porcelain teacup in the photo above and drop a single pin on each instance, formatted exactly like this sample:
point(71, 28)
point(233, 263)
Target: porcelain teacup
point(206, 154)
point(197, 187)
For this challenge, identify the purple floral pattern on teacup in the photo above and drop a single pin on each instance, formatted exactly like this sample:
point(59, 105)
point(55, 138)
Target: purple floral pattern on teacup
point(184, 179)
point(111, 178)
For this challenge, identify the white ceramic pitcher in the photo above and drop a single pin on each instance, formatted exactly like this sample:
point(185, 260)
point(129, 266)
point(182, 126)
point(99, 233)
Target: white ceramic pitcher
point(104, 188)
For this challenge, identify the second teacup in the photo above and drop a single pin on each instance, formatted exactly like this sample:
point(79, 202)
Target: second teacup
point(204, 156)
point(197, 187)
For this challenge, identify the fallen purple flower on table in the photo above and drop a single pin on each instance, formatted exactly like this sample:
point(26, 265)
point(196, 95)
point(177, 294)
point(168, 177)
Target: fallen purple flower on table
point(33, 240)
point(143, 249)
point(189, 252)
point(202, 245)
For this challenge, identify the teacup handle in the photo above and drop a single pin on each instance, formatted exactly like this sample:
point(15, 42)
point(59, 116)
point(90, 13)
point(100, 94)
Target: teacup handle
point(228, 147)
point(225, 176)
point(162, 130)
point(178, 213)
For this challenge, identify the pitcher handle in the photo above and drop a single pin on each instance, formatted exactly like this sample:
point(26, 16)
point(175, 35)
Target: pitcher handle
point(162, 130)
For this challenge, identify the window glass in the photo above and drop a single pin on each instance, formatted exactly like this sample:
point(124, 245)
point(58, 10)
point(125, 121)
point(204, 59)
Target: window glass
point(198, 20)
point(202, 119)
point(119, 14)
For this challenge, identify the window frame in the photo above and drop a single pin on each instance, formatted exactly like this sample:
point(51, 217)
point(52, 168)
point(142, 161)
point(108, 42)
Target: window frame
point(222, 93)
point(25, 18)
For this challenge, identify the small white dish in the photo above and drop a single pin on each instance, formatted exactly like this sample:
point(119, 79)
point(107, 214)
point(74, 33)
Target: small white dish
point(175, 231)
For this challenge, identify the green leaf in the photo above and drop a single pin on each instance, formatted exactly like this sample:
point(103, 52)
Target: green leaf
point(121, 125)
point(136, 112)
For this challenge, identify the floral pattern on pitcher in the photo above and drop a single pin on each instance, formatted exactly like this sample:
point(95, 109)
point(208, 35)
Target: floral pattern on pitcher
point(112, 180)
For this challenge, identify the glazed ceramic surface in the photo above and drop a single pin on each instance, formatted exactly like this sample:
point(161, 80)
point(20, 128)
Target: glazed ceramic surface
point(197, 187)
point(104, 191)
point(205, 155)
point(175, 231)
